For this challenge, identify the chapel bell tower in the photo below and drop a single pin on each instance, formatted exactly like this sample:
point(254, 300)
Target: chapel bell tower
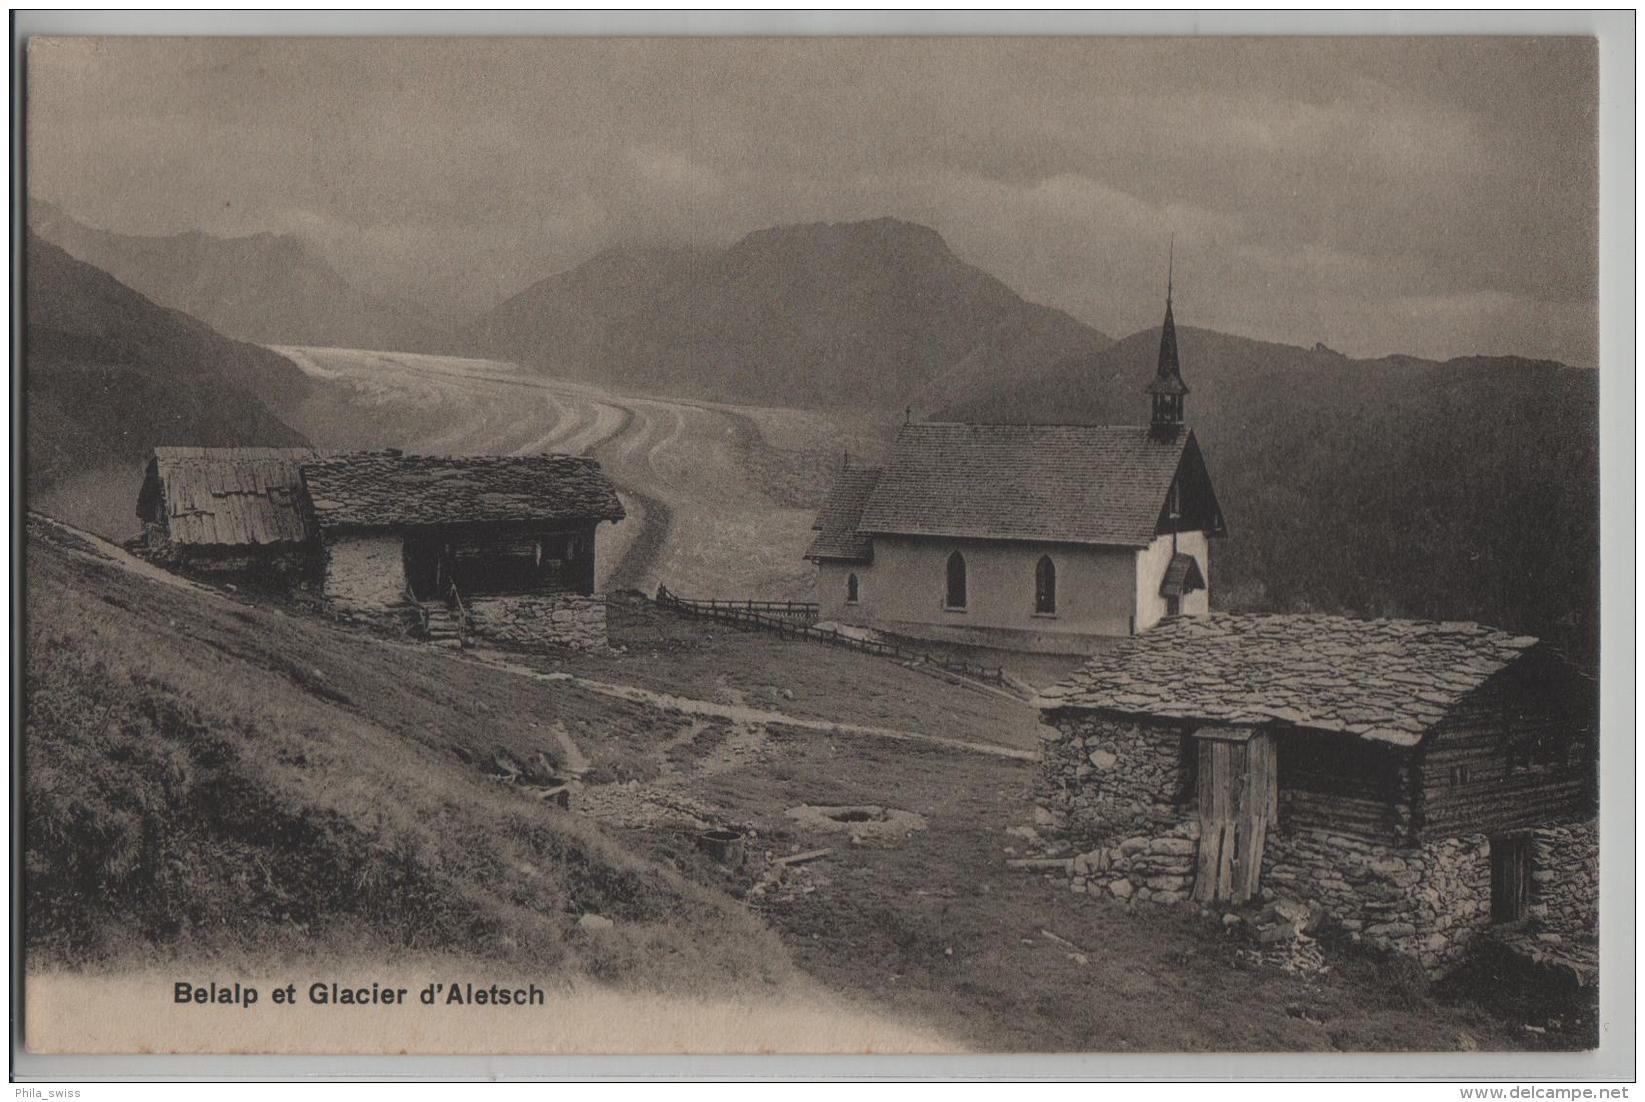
point(1167, 389)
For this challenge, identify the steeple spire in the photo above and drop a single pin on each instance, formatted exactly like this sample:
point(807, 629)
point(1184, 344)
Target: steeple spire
point(1167, 388)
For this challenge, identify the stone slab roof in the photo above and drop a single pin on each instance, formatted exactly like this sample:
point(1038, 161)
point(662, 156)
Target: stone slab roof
point(226, 497)
point(1096, 484)
point(1386, 680)
point(383, 490)
point(837, 535)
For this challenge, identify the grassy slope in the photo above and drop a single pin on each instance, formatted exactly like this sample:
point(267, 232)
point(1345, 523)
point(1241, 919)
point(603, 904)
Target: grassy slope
point(212, 777)
point(206, 777)
point(940, 930)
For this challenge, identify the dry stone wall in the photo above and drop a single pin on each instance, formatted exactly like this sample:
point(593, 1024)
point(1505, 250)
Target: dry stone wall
point(1113, 791)
point(532, 621)
point(1565, 878)
point(365, 572)
point(1103, 780)
point(1428, 901)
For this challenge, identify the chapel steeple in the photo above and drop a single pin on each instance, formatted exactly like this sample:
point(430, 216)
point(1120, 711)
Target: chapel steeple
point(1167, 388)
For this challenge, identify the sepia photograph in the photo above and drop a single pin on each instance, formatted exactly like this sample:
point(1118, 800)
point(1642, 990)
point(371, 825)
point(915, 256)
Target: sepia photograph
point(905, 545)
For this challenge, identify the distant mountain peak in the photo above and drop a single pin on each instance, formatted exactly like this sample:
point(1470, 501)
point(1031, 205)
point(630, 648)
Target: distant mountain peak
point(884, 230)
point(871, 313)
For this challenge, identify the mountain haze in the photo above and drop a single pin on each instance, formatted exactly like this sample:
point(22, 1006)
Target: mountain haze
point(110, 375)
point(265, 288)
point(1398, 486)
point(861, 314)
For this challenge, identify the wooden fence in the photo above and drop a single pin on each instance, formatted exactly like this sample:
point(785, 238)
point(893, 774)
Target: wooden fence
point(804, 612)
point(796, 620)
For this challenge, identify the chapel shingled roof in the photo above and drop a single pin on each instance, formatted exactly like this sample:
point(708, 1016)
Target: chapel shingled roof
point(384, 490)
point(1096, 484)
point(837, 535)
point(226, 497)
point(1388, 680)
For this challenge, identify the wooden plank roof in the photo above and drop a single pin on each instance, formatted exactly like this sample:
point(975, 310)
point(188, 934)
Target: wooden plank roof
point(1095, 484)
point(1182, 576)
point(226, 497)
point(837, 535)
point(383, 490)
point(1384, 680)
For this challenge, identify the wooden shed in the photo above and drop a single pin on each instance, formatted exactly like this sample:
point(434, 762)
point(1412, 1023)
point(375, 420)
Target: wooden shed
point(231, 511)
point(1419, 780)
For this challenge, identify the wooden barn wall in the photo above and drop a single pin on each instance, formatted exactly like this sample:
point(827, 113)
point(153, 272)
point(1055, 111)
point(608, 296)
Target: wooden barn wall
point(1339, 783)
point(503, 562)
point(1534, 698)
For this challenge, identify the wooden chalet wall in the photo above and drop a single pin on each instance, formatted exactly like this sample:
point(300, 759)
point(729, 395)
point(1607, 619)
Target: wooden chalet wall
point(1343, 784)
point(1538, 712)
point(488, 559)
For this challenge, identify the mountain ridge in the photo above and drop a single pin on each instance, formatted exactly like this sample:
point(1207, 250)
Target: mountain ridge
point(1458, 489)
point(109, 374)
point(820, 314)
point(265, 288)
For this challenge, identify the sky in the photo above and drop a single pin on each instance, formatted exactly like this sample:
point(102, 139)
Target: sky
point(1435, 197)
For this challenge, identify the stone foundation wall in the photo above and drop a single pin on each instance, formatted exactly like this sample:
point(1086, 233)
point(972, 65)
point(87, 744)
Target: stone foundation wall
point(1565, 878)
point(1156, 868)
point(1428, 901)
point(263, 567)
point(1112, 791)
point(1104, 780)
point(538, 620)
point(365, 572)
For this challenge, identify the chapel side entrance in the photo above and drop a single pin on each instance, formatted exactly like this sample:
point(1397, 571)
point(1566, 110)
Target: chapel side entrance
point(428, 568)
point(1238, 798)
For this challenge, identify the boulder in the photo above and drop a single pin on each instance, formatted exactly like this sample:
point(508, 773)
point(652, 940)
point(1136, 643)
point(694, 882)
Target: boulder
point(1173, 847)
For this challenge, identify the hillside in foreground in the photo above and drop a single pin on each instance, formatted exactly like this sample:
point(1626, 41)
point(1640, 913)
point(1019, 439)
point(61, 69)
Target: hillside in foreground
point(1394, 487)
point(208, 778)
point(212, 779)
point(860, 315)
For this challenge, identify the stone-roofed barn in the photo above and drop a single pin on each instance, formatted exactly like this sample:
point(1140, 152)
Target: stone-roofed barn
point(1038, 537)
point(500, 545)
point(1419, 781)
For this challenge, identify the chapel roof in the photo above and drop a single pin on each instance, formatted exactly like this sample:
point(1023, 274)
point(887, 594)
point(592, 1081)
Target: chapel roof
point(1092, 484)
point(836, 526)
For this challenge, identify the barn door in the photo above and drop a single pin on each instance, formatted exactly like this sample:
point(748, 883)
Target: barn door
point(1238, 797)
point(1510, 877)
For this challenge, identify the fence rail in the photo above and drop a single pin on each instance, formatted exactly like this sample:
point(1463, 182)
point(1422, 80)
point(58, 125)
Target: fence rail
point(785, 610)
point(779, 616)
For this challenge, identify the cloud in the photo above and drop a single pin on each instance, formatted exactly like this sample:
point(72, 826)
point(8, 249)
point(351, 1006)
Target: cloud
point(1392, 194)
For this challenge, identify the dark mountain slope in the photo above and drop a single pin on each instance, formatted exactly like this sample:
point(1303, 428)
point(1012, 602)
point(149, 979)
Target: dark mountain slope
point(266, 288)
point(861, 314)
point(1458, 490)
point(110, 375)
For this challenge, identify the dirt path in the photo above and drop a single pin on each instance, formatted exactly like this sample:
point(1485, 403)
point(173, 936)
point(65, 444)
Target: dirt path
point(740, 713)
point(712, 508)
